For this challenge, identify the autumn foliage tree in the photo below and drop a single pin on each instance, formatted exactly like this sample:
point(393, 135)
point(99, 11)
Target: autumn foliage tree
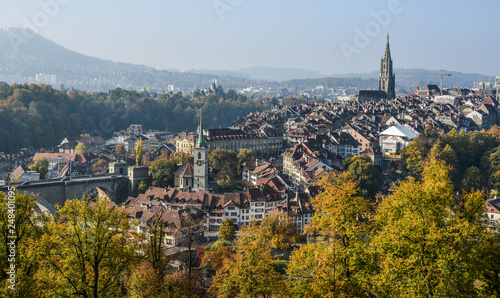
point(19, 229)
point(336, 264)
point(85, 251)
point(120, 150)
point(252, 272)
point(427, 238)
point(81, 148)
point(276, 231)
point(227, 231)
point(138, 152)
point(99, 166)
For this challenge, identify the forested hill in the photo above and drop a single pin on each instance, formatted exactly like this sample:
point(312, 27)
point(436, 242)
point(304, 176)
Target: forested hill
point(40, 116)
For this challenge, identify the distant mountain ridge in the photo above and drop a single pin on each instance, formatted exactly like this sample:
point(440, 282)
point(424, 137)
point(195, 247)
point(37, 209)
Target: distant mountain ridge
point(22, 58)
point(278, 74)
point(14, 43)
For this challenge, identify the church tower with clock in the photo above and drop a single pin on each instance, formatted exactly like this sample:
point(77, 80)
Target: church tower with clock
point(200, 164)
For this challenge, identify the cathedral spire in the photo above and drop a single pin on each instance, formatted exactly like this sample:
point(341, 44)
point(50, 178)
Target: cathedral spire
point(387, 54)
point(387, 78)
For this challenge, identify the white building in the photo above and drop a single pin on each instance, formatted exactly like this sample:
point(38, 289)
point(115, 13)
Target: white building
point(46, 78)
point(395, 138)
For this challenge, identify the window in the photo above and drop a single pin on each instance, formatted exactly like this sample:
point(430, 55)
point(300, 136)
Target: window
point(259, 204)
point(226, 214)
point(259, 210)
point(234, 214)
point(258, 216)
point(199, 155)
point(230, 208)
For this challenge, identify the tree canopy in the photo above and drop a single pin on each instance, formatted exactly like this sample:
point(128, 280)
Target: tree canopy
point(40, 116)
point(42, 167)
point(81, 148)
point(227, 231)
point(163, 172)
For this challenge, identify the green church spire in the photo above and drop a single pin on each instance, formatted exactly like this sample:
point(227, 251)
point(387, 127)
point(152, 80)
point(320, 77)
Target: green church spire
point(200, 143)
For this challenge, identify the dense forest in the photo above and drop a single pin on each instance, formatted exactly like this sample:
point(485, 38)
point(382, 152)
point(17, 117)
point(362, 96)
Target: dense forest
point(40, 116)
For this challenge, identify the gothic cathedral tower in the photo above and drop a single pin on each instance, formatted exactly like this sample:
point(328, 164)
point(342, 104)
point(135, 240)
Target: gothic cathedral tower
point(200, 156)
point(386, 79)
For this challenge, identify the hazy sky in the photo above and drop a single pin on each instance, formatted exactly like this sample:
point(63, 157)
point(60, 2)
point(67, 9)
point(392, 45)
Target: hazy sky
point(331, 37)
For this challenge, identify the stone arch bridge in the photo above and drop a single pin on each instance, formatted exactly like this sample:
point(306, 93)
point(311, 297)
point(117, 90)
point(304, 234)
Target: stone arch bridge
point(117, 188)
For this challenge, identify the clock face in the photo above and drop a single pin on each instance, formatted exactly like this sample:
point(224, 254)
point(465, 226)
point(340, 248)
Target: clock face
point(199, 162)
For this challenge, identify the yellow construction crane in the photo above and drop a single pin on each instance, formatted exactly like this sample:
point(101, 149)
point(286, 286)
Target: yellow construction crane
point(442, 74)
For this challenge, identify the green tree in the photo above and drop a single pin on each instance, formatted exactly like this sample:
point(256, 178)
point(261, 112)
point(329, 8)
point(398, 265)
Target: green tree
point(227, 231)
point(138, 152)
point(463, 147)
point(426, 242)
point(85, 251)
point(42, 167)
point(222, 158)
point(367, 175)
point(483, 142)
point(142, 187)
point(163, 172)
point(215, 245)
point(81, 148)
point(243, 156)
point(225, 177)
point(449, 157)
point(473, 179)
point(413, 156)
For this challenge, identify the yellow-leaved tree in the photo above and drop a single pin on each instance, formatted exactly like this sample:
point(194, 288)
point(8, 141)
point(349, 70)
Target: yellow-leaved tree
point(85, 251)
point(336, 264)
point(138, 152)
point(429, 240)
point(252, 271)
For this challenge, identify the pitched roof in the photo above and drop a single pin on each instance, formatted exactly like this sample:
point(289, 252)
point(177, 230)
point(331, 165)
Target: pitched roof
point(401, 131)
point(18, 172)
point(56, 156)
point(185, 170)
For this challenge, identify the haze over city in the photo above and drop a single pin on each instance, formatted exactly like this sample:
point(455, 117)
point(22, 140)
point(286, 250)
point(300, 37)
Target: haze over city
point(244, 148)
point(314, 35)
